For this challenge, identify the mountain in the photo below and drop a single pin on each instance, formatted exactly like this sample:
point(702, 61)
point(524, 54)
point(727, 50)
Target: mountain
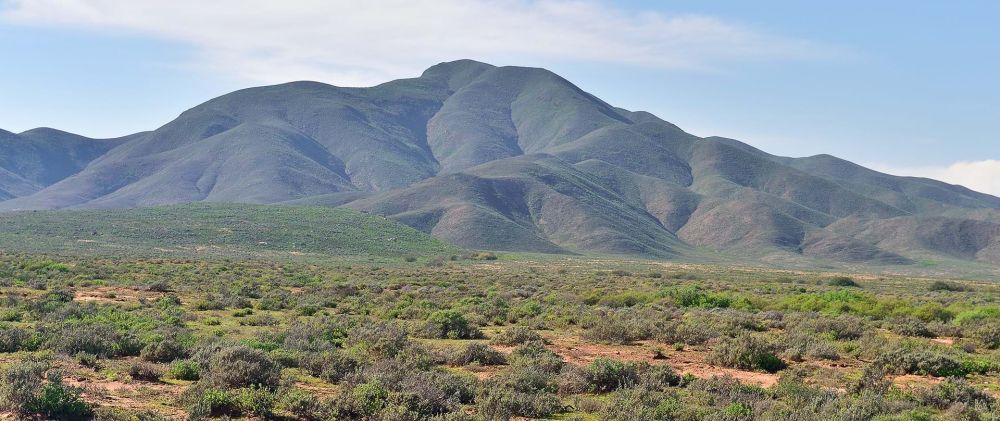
point(514, 158)
point(38, 158)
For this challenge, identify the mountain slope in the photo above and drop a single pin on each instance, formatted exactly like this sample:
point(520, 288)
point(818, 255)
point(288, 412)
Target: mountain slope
point(38, 158)
point(515, 158)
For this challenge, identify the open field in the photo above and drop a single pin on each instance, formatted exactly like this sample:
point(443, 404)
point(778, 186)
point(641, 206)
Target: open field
point(470, 337)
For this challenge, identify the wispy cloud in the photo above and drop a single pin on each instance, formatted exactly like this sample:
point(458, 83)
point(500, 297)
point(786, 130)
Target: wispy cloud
point(362, 42)
point(982, 176)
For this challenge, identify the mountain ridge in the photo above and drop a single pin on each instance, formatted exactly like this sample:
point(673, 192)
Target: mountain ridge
point(516, 158)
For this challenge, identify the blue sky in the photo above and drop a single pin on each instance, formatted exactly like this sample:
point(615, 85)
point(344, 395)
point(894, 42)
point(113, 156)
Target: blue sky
point(907, 87)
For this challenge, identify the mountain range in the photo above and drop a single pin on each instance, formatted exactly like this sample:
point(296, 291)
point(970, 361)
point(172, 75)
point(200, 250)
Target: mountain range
point(507, 158)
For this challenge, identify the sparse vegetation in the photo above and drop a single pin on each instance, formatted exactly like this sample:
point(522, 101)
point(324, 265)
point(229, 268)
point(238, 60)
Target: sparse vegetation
point(352, 340)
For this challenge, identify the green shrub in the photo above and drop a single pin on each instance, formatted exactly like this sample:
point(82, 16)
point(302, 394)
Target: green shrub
point(605, 375)
point(945, 286)
point(695, 296)
point(108, 413)
point(163, 351)
point(450, 324)
point(746, 352)
point(303, 405)
point(842, 281)
point(476, 353)
point(952, 391)
point(60, 402)
point(23, 392)
point(254, 401)
point(331, 366)
point(184, 370)
point(12, 339)
point(640, 404)
point(920, 361)
point(617, 327)
point(518, 392)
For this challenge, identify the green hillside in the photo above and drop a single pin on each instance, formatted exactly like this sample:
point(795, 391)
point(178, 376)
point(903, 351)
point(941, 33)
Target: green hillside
point(214, 229)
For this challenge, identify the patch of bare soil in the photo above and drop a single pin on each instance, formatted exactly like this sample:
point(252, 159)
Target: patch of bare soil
point(129, 395)
point(114, 295)
point(575, 351)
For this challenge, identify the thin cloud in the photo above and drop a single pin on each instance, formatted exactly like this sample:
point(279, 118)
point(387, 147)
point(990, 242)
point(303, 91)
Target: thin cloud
point(982, 176)
point(360, 43)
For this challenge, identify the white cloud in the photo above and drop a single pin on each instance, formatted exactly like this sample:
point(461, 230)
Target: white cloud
point(363, 42)
point(982, 176)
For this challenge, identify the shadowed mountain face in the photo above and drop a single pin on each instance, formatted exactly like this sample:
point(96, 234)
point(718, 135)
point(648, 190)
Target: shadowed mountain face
point(507, 158)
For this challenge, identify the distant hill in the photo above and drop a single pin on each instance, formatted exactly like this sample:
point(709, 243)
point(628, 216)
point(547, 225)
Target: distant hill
point(514, 158)
point(229, 230)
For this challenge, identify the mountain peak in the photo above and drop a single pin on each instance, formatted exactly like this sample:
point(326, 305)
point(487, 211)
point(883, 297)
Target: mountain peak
point(456, 73)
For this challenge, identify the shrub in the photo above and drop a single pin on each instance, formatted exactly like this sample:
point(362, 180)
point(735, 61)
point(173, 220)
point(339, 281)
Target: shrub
point(695, 296)
point(450, 324)
point(640, 404)
point(842, 281)
point(23, 392)
point(19, 387)
point(12, 339)
point(144, 371)
point(60, 402)
point(101, 340)
point(163, 351)
point(254, 401)
point(605, 375)
point(184, 370)
point(514, 336)
point(377, 340)
point(798, 345)
point(920, 361)
point(331, 366)
point(952, 391)
point(303, 405)
point(986, 333)
point(945, 286)
point(537, 357)
point(518, 392)
point(108, 413)
point(240, 366)
point(477, 353)
point(619, 327)
point(87, 360)
point(746, 352)
point(910, 326)
point(658, 377)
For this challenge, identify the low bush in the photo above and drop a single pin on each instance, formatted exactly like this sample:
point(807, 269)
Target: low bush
point(144, 371)
point(184, 370)
point(254, 401)
point(241, 367)
point(476, 353)
point(23, 392)
point(514, 336)
point(605, 375)
point(617, 327)
point(945, 286)
point(842, 281)
point(518, 392)
point(163, 351)
point(450, 324)
point(331, 366)
point(746, 352)
point(954, 391)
